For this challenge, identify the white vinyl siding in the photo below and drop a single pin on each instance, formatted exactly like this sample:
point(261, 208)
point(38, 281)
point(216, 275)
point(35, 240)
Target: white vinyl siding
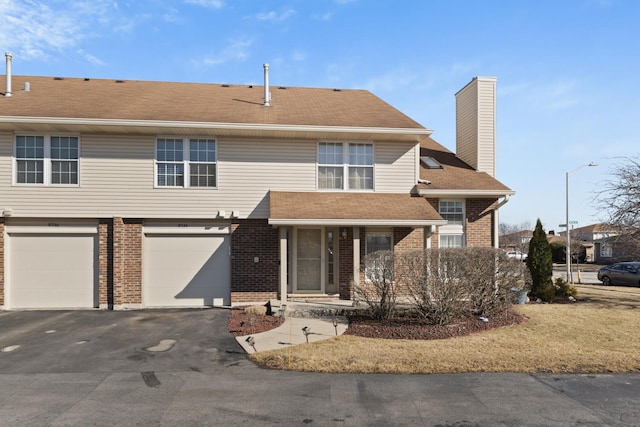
point(117, 178)
point(475, 124)
point(395, 167)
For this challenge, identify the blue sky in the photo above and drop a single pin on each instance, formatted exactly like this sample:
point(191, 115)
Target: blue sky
point(567, 70)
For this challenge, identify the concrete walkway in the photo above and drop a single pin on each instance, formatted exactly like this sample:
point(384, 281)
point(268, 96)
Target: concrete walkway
point(315, 317)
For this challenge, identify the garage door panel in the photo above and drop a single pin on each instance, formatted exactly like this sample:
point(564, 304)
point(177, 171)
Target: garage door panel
point(53, 271)
point(183, 270)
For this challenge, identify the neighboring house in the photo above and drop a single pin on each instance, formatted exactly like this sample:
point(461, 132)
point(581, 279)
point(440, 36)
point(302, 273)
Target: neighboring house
point(516, 241)
point(125, 194)
point(601, 243)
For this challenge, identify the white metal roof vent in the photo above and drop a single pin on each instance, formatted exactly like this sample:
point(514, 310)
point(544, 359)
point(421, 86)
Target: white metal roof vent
point(7, 92)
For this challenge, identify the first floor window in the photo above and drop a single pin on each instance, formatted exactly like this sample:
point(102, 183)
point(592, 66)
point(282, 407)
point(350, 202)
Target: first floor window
point(45, 159)
point(194, 158)
point(450, 241)
point(606, 251)
point(379, 262)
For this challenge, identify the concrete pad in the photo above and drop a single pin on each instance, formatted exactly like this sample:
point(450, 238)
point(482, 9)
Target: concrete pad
point(291, 333)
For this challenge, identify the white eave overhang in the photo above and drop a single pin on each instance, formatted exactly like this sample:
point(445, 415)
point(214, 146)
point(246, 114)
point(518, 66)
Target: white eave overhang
point(465, 194)
point(23, 124)
point(357, 222)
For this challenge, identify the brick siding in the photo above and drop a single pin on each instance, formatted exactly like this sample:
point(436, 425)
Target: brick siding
point(479, 229)
point(254, 281)
point(127, 261)
point(345, 264)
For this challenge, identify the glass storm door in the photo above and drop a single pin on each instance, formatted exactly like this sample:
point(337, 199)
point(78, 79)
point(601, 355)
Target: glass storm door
point(309, 260)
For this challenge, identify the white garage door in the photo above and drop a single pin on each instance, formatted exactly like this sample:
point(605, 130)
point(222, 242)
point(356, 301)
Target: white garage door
point(186, 270)
point(53, 270)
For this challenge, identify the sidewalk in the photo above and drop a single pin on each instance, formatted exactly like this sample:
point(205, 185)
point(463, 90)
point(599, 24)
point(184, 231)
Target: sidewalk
point(298, 316)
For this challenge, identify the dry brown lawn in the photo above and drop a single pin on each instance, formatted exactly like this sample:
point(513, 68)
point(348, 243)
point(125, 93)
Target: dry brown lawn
point(600, 333)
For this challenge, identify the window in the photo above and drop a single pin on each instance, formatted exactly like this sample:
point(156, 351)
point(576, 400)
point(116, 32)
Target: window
point(452, 211)
point(450, 241)
point(606, 251)
point(334, 163)
point(176, 160)
point(46, 160)
point(377, 241)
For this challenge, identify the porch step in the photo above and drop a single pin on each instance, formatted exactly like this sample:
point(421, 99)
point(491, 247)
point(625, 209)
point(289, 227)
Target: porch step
point(314, 307)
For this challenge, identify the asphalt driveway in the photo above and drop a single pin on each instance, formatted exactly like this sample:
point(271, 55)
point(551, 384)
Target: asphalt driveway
point(182, 367)
point(116, 341)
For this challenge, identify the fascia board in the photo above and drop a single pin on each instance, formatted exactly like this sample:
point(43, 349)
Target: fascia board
point(357, 222)
point(465, 194)
point(214, 125)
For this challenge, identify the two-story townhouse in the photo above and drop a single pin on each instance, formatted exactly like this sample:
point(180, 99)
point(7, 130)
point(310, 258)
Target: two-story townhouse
point(126, 194)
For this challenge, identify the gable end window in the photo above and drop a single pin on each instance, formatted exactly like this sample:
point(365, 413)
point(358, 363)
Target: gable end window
point(194, 159)
point(345, 166)
point(47, 160)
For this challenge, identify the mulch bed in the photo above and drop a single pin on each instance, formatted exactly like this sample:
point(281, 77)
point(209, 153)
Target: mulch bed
point(239, 322)
point(412, 328)
point(407, 327)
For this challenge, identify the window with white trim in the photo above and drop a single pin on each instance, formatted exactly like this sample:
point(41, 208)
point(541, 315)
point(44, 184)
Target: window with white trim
point(452, 211)
point(47, 159)
point(451, 235)
point(194, 158)
point(335, 162)
point(376, 241)
point(606, 251)
point(450, 241)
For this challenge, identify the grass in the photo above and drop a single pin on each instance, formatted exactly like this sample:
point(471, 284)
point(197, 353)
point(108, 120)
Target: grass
point(600, 333)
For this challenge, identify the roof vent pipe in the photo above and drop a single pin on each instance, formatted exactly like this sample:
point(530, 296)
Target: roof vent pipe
point(266, 86)
point(7, 93)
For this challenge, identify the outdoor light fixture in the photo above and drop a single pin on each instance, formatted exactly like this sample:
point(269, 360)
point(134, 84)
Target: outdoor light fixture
point(252, 321)
point(306, 331)
point(252, 342)
point(335, 324)
point(343, 233)
point(568, 249)
point(283, 310)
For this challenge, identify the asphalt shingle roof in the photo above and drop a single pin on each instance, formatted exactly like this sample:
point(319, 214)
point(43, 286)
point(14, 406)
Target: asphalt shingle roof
point(199, 102)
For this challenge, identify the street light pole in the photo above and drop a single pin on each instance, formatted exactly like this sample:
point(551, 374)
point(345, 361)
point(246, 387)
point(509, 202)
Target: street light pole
point(568, 249)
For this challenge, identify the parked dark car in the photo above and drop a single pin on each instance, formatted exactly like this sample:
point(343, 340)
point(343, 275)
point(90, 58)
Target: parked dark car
point(621, 273)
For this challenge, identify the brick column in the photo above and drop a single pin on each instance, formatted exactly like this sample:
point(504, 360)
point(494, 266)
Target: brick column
point(127, 262)
point(105, 264)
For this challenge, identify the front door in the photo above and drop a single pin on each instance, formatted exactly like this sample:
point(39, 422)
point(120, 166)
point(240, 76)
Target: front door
point(309, 271)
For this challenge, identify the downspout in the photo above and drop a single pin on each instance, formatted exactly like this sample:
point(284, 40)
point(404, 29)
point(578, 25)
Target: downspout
point(266, 85)
point(7, 92)
point(496, 221)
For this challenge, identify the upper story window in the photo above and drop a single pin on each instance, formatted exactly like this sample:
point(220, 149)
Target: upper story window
point(338, 160)
point(452, 211)
point(186, 163)
point(47, 160)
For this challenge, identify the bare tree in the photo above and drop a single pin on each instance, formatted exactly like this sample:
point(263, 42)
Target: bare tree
point(515, 236)
point(619, 198)
point(378, 291)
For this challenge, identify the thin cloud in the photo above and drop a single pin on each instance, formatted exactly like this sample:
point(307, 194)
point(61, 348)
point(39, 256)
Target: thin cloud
point(275, 17)
point(34, 30)
point(237, 50)
point(213, 4)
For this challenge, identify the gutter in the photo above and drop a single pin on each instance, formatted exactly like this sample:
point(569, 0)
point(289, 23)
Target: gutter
point(213, 125)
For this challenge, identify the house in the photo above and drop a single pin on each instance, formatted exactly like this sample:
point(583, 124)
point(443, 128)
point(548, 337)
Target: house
point(128, 194)
point(603, 243)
